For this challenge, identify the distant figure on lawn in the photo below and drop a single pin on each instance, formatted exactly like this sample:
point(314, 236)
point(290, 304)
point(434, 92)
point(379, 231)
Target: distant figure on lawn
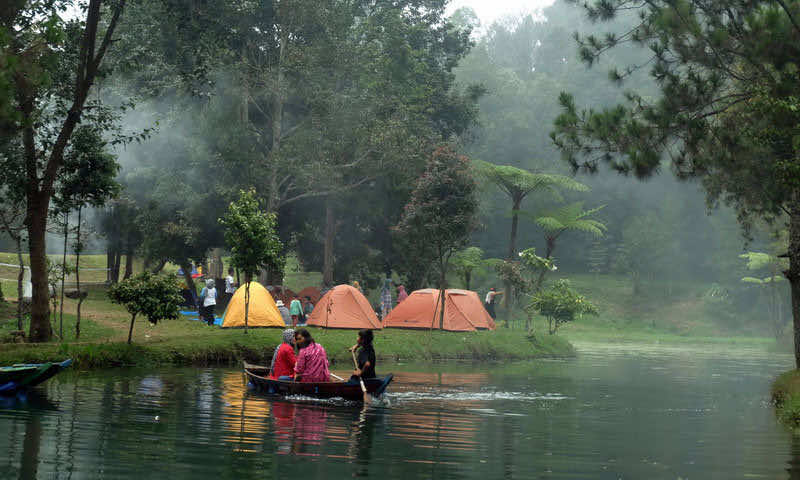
point(208, 300)
point(230, 286)
point(401, 294)
point(287, 317)
point(312, 361)
point(490, 301)
point(283, 359)
point(386, 298)
point(296, 310)
point(308, 309)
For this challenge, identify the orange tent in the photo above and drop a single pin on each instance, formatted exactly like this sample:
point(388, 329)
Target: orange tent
point(463, 311)
point(311, 292)
point(344, 307)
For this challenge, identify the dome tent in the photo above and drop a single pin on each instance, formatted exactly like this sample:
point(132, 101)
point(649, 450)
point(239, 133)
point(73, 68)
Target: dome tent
point(344, 306)
point(262, 312)
point(463, 312)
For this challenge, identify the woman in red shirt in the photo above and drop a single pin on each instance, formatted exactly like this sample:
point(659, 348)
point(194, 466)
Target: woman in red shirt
point(283, 360)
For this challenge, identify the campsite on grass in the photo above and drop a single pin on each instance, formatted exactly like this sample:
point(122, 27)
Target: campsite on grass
point(451, 239)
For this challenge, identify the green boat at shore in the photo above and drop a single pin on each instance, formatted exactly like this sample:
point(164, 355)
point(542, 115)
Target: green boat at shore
point(23, 376)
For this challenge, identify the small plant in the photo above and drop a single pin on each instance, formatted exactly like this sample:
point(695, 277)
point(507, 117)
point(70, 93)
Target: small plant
point(153, 296)
point(561, 304)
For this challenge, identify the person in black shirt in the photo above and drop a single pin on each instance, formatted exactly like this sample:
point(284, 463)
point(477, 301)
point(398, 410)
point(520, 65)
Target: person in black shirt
point(366, 355)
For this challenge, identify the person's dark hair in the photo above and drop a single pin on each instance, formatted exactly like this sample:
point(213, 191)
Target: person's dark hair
point(366, 336)
point(308, 298)
point(305, 334)
point(230, 271)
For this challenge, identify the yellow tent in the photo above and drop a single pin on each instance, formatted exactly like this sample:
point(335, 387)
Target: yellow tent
point(262, 313)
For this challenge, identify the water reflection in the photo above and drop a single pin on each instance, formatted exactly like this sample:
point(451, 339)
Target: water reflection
point(603, 416)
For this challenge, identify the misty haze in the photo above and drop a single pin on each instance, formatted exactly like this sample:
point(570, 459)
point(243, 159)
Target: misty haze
point(399, 239)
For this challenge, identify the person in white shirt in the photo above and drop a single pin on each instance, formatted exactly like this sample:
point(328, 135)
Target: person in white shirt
point(208, 297)
point(230, 286)
point(489, 301)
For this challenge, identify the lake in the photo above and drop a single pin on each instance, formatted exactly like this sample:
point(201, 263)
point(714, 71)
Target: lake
point(614, 412)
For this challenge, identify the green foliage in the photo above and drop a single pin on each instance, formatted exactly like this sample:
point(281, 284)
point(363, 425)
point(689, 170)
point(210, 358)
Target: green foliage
point(155, 297)
point(561, 304)
point(464, 262)
point(251, 235)
point(571, 217)
point(516, 182)
point(524, 275)
point(441, 213)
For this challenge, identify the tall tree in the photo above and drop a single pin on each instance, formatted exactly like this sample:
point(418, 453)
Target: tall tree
point(442, 211)
point(56, 62)
point(727, 109)
point(252, 237)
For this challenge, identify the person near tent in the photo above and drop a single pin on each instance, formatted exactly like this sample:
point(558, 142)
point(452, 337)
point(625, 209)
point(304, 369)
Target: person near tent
point(230, 286)
point(357, 286)
point(287, 317)
point(189, 300)
point(312, 361)
point(208, 300)
point(283, 359)
point(490, 301)
point(308, 308)
point(366, 356)
point(401, 293)
point(296, 311)
point(386, 298)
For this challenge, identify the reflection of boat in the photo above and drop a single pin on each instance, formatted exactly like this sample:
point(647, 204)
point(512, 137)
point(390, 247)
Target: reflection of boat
point(22, 376)
point(257, 375)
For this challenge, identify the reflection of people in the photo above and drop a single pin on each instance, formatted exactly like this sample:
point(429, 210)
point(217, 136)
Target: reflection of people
point(490, 300)
point(366, 355)
point(312, 361)
point(283, 359)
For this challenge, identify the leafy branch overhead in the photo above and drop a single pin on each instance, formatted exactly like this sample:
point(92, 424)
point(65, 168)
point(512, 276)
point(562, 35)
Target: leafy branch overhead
point(251, 234)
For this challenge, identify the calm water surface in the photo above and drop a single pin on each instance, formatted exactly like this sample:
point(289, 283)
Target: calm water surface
point(614, 412)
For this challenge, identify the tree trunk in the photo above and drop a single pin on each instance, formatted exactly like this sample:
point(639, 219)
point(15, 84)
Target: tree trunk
point(330, 233)
point(156, 270)
point(130, 330)
point(467, 278)
point(442, 286)
point(129, 265)
point(247, 279)
point(63, 278)
point(115, 268)
point(37, 247)
point(109, 263)
point(793, 273)
point(20, 281)
point(512, 247)
point(78, 248)
point(187, 275)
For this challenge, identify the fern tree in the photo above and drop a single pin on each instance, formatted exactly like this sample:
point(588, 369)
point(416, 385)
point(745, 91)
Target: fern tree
point(567, 218)
point(518, 184)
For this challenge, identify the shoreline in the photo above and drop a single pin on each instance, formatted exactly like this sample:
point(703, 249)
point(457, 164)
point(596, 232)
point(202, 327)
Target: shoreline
point(219, 347)
point(785, 395)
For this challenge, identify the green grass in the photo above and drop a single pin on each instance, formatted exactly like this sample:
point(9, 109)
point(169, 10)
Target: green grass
point(786, 397)
point(662, 313)
point(105, 326)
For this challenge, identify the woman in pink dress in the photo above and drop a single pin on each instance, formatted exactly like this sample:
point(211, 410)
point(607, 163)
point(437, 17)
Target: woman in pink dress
point(312, 361)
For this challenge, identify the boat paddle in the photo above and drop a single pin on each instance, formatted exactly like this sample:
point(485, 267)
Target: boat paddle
point(361, 380)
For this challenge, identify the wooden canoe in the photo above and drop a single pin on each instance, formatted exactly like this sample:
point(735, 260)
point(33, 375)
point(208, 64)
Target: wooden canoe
point(22, 376)
point(258, 377)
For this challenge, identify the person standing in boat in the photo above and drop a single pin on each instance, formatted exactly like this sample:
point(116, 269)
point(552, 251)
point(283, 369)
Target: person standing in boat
point(312, 361)
point(283, 359)
point(366, 356)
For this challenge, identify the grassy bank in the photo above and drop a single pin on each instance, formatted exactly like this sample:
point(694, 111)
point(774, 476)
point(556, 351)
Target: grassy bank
point(104, 330)
point(786, 397)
